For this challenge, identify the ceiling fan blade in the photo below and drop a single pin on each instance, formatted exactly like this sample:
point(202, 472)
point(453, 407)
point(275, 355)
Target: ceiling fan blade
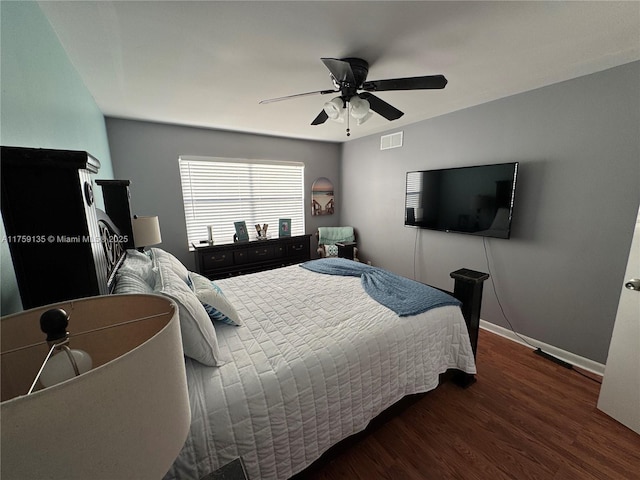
point(340, 69)
point(321, 118)
point(381, 107)
point(411, 83)
point(279, 99)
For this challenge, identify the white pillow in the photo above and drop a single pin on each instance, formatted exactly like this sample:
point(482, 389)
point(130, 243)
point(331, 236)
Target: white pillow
point(127, 283)
point(198, 335)
point(161, 257)
point(138, 264)
point(213, 300)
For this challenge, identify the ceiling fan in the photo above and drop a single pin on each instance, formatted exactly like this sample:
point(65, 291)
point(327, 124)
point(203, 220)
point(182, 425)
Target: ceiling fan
point(355, 99)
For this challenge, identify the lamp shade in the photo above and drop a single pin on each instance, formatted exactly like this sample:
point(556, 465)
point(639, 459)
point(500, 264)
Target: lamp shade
point(128, 417)
point(366, 117)
point(359, 107)
point(334, 108)
point(146, 231)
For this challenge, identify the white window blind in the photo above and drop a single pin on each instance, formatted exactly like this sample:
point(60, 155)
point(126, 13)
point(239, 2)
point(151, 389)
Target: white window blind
point(221, 191)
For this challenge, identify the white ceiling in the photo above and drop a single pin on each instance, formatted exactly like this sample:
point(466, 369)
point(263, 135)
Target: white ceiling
point(209, 63)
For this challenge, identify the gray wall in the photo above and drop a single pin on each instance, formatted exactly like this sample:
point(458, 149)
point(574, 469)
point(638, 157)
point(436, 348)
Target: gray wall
point(559, 276)
point(44, 105)
point(147, 154)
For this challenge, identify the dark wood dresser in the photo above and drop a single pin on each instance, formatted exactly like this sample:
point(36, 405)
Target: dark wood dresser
point(219, 261)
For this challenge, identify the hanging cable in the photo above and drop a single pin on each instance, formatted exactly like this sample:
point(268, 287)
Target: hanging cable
point(537, 350)
point(495, 293)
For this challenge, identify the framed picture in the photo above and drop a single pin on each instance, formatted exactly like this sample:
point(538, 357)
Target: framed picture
point(284, 227)
point(241, 231)
point(322, 201)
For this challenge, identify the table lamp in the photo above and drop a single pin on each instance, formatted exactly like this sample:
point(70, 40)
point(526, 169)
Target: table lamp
point(146, 231)
point(126, 417)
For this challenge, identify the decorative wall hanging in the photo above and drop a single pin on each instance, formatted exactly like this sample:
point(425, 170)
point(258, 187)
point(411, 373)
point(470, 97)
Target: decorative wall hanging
point(322, 202)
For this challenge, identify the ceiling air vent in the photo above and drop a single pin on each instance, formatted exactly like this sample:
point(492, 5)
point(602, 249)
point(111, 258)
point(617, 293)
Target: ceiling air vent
point(393, 140)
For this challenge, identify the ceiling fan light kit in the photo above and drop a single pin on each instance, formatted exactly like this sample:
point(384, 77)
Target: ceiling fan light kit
point(349, 79)
point(369, 114)
point(333, 108)
point(359, 107)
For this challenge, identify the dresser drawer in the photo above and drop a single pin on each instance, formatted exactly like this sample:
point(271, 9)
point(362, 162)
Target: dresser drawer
point(260, 253)
point(298, 248)
point(241, 256)
point(216, 260)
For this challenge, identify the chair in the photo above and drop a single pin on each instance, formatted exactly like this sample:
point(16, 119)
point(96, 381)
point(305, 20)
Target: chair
point(329, 236)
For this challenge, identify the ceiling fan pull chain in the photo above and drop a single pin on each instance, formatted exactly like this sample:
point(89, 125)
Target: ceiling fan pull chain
point(347, 115)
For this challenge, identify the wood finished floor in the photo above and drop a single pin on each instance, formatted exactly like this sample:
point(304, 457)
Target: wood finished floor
point(525, 418)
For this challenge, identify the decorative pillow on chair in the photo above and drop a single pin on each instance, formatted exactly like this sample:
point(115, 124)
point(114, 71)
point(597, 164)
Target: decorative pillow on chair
point(214, 301)
point(198, 335)
point(331, 250)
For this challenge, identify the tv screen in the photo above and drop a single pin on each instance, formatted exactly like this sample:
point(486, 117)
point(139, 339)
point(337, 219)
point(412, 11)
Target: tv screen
point(476, 200)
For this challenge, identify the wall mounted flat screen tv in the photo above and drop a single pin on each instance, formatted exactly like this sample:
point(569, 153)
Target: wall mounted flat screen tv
point(476, 200)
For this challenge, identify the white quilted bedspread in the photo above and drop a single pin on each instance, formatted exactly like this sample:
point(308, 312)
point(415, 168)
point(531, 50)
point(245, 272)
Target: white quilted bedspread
point(316, 360)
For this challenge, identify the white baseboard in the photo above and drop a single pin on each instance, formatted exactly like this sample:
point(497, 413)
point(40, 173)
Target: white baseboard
point(573, 359)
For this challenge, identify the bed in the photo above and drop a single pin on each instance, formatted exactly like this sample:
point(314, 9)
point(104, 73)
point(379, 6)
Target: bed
point(311, 361)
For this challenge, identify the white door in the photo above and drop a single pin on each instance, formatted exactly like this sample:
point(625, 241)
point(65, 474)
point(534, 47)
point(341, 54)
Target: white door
point(620, 392)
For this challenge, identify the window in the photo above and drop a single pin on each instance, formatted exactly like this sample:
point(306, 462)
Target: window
point(221, 191)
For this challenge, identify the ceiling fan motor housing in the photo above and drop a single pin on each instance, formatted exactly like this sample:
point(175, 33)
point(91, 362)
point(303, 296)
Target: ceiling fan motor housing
point(360, 69)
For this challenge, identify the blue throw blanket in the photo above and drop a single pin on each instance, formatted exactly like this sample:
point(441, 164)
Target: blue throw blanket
point(402, 295)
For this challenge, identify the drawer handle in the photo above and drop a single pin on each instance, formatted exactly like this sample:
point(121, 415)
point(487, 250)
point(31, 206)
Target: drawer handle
point(218, 259)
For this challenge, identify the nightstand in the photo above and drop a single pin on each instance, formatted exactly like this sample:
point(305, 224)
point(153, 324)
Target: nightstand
point(233, 470)
point(345, 249)
point(468, 289)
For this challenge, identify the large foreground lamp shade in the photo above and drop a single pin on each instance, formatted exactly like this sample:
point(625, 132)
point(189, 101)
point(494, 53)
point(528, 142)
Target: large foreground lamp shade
point(127, 417)
point(146, 231)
